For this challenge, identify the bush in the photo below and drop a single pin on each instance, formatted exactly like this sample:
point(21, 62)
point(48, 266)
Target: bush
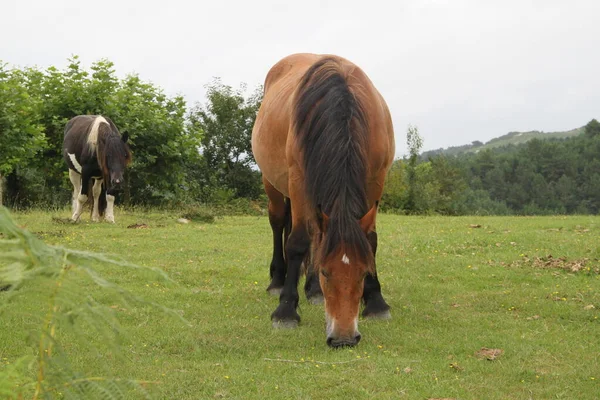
point(199, 213)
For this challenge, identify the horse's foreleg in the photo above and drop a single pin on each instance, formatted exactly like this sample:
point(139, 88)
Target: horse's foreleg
point(296, 248)
point(110, 205)
point(96, 190)
point(82, 194)
point(75, 179)
point(375, 305)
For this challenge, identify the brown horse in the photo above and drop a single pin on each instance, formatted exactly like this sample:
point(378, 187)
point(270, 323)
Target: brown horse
point(323, 139)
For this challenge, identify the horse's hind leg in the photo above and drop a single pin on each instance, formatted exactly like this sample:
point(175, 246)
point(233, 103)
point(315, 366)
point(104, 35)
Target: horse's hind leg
point(81, 193)
point(312, 287)
point(75, 179)
point(96, 190)
point(279, 215)
point(375, 305)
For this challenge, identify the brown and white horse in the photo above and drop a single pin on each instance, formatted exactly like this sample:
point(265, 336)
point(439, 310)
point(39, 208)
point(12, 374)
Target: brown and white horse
point(94, 149)
point(324, 141)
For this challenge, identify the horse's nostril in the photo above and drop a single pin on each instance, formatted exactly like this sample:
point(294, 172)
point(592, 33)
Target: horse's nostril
point(347, 342)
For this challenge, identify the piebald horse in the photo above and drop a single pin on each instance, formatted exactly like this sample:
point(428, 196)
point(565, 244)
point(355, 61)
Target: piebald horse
point(94, 149)
point(324, 141)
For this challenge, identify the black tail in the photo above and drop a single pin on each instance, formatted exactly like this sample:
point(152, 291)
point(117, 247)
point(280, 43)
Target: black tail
point(332, 128)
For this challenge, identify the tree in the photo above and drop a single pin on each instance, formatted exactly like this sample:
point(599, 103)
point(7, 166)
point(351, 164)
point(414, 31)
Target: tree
point(164, 151)
point(395, 189)
point(592, 128)
point(21, 135)
point(62, 94)
point(449, 182)
point(414, 143)
point(226, 122)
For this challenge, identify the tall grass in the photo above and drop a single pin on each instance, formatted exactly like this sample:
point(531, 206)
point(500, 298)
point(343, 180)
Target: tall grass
point(63, 316)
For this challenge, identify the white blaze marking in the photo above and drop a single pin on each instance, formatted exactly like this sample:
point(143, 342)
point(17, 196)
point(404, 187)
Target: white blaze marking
point(92, 138)
point(345, 259)
point(75, 163)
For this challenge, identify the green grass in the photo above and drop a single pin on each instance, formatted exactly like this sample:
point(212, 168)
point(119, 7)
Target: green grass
point(453, 290)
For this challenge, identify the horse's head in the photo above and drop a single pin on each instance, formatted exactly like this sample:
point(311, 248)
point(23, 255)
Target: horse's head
point(118, 156)
point(342, 274)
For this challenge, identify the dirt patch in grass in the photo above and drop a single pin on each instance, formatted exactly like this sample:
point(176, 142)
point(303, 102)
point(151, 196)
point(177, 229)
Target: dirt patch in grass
point(137, 226)
point(64, 221)
point(489, 354)
point(550, 262)
point(591, 266)
point(56, 234)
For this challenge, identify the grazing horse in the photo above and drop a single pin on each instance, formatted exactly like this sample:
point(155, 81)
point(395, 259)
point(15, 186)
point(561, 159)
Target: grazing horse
point(93, 148)
point(324, 141)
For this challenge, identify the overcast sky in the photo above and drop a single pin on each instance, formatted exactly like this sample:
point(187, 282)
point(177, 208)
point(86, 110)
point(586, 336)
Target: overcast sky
point(459, 70)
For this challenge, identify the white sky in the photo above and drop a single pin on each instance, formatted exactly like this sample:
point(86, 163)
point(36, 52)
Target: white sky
point(460, 70)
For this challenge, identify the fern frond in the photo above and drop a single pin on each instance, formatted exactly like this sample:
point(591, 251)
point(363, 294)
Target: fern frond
point(67, 315)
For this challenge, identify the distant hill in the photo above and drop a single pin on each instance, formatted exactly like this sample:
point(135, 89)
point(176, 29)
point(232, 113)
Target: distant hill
point(514, 138)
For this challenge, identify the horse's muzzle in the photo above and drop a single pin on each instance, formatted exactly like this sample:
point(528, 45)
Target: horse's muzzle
point(116, 184)
point(344, 341)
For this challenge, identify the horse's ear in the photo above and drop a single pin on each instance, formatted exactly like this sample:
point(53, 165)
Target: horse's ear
point(125, 137)
point(322, 219)
point(367, 222)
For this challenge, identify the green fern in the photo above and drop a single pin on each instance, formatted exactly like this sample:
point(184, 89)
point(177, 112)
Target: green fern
point(59, 280)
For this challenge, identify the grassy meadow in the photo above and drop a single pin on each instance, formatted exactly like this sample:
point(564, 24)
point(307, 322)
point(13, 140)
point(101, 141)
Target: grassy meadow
point(456, 285)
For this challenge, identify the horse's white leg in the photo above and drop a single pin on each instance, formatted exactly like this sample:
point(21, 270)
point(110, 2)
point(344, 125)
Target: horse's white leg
point(96, 190)
point(110, 203)
point(75, 179)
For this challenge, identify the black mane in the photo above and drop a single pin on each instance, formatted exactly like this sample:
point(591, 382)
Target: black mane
point(332, 128)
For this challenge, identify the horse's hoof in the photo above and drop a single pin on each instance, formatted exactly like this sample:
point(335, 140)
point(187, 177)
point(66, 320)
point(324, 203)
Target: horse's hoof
point(275, 291)
point(285, 324)
point(316, 299)
point(379, 315)
point(377, 308)
point(275, 287)
point(285, 316)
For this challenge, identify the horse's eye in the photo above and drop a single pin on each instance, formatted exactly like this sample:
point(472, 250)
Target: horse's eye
point(324, 273)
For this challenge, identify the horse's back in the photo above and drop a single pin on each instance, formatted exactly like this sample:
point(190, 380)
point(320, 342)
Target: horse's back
point(273, 124)
point(270, 132)
point(75, 140)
